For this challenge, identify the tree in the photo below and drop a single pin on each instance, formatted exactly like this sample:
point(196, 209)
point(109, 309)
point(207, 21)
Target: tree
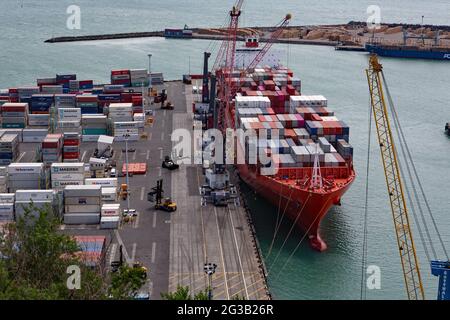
point(126, 282)
point(34, 258)
point(182, 293)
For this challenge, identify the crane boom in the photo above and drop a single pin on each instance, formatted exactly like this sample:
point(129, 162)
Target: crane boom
point(274, 36)
point(408, 257)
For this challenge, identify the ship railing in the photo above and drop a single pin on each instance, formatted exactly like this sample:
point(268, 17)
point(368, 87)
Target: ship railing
point(299, 173)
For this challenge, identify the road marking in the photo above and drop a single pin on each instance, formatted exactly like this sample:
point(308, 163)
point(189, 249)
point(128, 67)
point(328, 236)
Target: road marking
point(133, 252)
point(162, 136)
point(142, 193)
point(148, 155)
point(164, 113)
point(21, 156)
point(134, 155)
point(124, 249)
point(120, 156)
point(239, 255)
point(112, 254)
point(159, 172)
point(136, 221)
point(163, 123)
point(221, 254)
point(153, 252)
point(161, 153)
point(154, 219)
point(84, 154)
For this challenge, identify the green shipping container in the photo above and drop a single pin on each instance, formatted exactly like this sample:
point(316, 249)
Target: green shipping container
point(13, 125)
point(94, 131)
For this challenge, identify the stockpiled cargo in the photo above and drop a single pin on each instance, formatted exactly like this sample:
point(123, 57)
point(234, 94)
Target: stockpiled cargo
point(112, 209)
point(139, 77)
point(109, 194)
point(52, 89)
point(14, 115)
point(121, 77)
point(25, 168)
point(69, 114)
point(41, 120)
point(7, 197)
point(65, 100)
point(82, 204)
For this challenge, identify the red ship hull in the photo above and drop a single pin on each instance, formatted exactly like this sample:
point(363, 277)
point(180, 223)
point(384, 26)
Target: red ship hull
point(303, 206)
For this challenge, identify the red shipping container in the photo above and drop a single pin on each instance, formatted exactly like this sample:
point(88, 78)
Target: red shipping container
point(120, 72)
point(71, 142)
point(71, 155)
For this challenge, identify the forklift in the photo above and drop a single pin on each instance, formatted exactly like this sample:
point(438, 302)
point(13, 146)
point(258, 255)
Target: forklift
point(157, 196)
point(169, 164)
point(115, 265)
point(162, 98)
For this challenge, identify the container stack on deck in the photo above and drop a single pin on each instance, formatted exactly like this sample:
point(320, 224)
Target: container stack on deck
point(9, 148)
point(82, 204)
point(26, 176)
point(121, 77)
point(69, 119)
point(139, 77)
point(14, 115)
point(270, 99)
point(67, 174)
point(93, 126)
point(71, 147)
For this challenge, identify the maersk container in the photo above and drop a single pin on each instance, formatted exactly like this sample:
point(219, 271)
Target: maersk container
point(35, 195)
point(63, 184)
point(81, 218)
point(67, 168)
point(67, 176)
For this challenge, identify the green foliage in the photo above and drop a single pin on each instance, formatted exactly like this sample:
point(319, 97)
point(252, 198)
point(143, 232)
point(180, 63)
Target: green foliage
point(126, 282)
point(34, 258)
point(182, 293)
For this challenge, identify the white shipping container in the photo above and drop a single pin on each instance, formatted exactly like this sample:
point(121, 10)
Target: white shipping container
point(7, 197)
point(109, 222)
point(86, 208)
point(35, 195)
point(109, 194)
point(104, 182)
point(81, 218)
point(25, 168)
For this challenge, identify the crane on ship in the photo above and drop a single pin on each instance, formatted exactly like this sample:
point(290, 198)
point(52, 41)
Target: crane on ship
point(393, 171)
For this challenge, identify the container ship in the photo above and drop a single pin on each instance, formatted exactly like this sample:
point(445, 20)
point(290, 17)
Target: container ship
point(303, 138)
point(423, 48)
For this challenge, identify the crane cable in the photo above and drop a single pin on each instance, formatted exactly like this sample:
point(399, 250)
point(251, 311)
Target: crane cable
point(366, 208)
point(278, 225)
point(298, 245)
point(290, 231)
point(416, 175)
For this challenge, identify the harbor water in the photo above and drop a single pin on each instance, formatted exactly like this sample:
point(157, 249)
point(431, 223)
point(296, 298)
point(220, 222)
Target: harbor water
point(419, 88)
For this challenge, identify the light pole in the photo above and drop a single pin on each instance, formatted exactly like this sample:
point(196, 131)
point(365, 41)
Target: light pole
point(150, 70)
point(210, 269)
point(126, 135)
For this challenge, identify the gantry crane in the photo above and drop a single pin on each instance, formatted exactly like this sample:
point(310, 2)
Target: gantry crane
point(270, 41)
point(408, 256)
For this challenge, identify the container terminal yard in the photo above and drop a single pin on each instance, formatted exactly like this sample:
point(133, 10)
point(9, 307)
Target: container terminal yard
point(173, 246)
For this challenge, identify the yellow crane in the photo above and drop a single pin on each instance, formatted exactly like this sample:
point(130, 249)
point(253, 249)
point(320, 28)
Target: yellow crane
point(394, 185)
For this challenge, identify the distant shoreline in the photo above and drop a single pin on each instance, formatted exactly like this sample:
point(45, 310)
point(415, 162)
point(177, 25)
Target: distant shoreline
point(353, 34)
